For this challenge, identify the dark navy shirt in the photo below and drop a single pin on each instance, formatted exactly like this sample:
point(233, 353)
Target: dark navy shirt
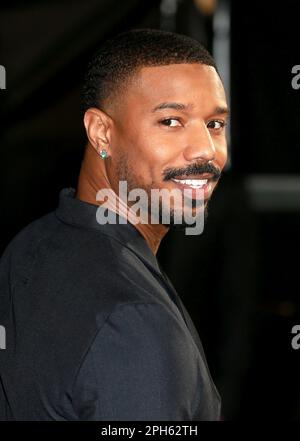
point(94, 328)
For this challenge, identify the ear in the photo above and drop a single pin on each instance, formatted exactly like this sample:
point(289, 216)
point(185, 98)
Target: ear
point(97, 125)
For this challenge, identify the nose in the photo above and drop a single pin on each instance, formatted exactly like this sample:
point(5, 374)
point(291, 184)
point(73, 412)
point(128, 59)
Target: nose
point(200, 145)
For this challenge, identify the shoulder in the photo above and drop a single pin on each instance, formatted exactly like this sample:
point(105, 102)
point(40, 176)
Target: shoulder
point(49, 246)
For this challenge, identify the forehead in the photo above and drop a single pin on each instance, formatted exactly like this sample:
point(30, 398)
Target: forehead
point(194, 84)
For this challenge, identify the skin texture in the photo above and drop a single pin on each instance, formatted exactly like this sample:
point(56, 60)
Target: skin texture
point(144, 144)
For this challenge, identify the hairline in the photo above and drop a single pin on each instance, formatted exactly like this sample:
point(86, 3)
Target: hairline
point(133, 75)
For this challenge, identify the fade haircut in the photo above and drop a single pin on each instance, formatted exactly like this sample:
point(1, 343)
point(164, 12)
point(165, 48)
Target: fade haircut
point(121, 57)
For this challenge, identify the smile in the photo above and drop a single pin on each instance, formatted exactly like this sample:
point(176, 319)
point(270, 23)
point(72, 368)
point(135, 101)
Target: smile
point(193, 183)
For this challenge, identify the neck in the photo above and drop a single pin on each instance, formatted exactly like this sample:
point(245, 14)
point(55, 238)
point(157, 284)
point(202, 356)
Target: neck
point(93, 177)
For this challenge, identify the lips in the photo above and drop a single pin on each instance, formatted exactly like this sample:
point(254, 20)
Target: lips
point(196, 176)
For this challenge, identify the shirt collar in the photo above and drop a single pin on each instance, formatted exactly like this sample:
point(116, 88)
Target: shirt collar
point(74, 211)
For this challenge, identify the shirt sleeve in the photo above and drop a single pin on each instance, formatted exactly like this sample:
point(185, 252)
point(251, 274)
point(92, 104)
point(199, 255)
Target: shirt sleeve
point(141, 366)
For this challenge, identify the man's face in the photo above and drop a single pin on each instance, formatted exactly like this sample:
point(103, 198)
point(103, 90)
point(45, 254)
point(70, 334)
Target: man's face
point(168, 130)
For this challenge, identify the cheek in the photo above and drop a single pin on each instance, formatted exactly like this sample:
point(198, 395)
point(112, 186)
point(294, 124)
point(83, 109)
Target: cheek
point(222, 155)
point(149, 150)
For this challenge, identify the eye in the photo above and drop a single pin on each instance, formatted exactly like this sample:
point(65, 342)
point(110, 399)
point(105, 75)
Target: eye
point(170, 122)
point(216, 124)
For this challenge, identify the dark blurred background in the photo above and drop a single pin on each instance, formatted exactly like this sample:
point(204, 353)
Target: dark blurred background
point(239, 280)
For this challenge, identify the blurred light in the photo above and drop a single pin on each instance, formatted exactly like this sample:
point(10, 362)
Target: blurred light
point(168, 10)
point(206, 7)
point(274, 192)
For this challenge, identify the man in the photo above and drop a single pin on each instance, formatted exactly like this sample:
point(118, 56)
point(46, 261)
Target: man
point(94, 329)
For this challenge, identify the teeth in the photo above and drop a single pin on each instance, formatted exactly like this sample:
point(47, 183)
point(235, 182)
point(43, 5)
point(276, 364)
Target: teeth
point(197, 183)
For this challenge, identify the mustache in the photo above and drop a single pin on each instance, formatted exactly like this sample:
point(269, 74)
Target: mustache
point(193, 169)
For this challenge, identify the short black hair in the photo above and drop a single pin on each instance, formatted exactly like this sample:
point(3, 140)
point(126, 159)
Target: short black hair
point(121, 57)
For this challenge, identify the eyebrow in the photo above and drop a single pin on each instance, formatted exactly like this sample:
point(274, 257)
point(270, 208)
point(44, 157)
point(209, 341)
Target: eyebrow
point(219, 110)
point(176, 106)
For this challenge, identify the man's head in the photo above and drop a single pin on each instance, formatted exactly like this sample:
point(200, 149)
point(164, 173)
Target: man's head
point(155, 102)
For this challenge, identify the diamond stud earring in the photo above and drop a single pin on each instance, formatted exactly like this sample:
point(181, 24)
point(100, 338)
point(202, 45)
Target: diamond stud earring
point(103, 154)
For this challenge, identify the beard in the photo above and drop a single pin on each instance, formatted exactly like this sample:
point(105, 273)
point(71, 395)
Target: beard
point(161, 215)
